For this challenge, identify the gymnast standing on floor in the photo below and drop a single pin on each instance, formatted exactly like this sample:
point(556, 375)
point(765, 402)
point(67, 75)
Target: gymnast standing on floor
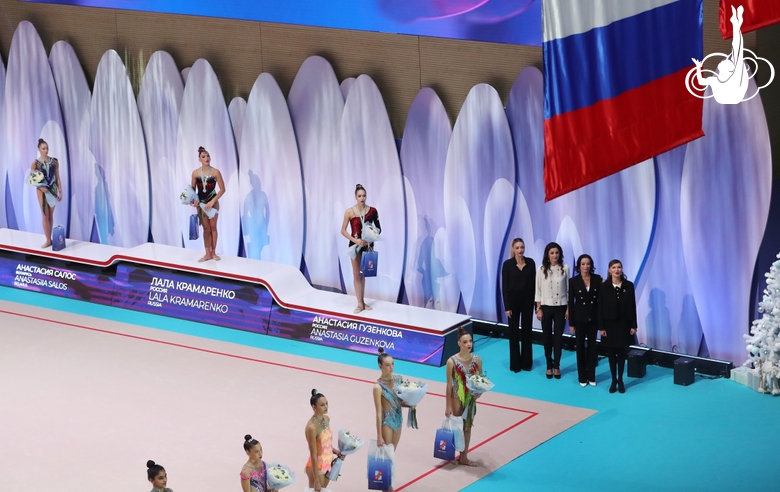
point(320, 443)
point(254, 474)
point(157, 477)
point(389, 418)
point(356, 216)
point(205, 180)
point(49, 187)
point(459, 400)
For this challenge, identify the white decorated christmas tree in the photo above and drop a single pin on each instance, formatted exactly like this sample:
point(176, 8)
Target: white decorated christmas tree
point(763, 343)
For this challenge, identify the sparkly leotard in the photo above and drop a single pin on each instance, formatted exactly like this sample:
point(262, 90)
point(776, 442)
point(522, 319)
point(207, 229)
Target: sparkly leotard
point(324, 450)
point(371, 217)
point(392, 418)
point(257, 480)
point(459, 389)
point(207, 192)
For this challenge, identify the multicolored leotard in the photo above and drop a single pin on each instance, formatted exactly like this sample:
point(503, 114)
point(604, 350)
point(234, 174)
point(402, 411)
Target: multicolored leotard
point(324, 449)
point(459, 389)
point(392, 418)
point(49, 182)
point(166, 489)
point(371, 217)
point(257, 480)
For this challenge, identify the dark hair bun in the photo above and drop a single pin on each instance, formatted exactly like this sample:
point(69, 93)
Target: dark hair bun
point(150, 464)
point(313, 392)
point(247, 437)
point(41, 142)
point(381, 350)
point(201, 150)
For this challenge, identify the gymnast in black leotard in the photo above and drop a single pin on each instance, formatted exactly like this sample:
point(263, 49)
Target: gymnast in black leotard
point(205, 180)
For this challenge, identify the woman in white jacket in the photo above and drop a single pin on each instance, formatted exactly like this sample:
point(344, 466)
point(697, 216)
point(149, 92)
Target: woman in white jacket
point(552, 292)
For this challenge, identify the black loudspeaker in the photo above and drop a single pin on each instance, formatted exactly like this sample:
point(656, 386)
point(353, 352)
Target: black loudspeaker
point(637, 363)
point(683, 371)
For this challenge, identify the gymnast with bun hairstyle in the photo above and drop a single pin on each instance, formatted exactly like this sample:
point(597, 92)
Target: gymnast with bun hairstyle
point(205, 180)
point(254, 474)
point(320, 443)
point(49, 188)
point(355, 216)
point(157, 477)
point(458, 398)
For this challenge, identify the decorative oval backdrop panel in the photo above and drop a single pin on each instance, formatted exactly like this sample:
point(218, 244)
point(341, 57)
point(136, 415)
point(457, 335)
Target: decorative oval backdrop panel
point(159, 104)
point(370, 157)
point(726, 186)
point(272, 206)
point(478, 181)
point(429, 281)
point(75, 100)
point(204, 121)
point(237, 113)
point(30, 103)
point(122, 201)
point(3, 146)
point(316, 105)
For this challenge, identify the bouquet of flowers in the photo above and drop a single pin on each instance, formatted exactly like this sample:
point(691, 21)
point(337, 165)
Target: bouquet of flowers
point(348, 444)
point(411, 394)
point(478, 384)
point(188, 196)
point(279, 476)
point(35, 178)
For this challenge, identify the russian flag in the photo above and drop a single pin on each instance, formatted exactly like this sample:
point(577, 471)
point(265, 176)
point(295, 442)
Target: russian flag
point(614, 85)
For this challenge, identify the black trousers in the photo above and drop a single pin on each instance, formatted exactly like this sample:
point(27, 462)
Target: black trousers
point(587, 354)
point(521, 350)
point(553, 339)
point(617, 362)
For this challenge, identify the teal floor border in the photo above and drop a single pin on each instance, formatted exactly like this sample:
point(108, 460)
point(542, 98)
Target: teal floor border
point(714, 435)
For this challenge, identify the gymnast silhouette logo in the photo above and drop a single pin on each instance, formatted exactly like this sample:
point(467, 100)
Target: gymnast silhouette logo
point(730, 83)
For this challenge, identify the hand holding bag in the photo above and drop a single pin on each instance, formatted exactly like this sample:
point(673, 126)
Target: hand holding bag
point(380, 466)
point(444, 444)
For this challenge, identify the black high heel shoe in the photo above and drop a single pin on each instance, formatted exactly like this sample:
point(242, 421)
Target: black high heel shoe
point(621, 386)
point(613, 387)
point(549, 374)
point(557, 376)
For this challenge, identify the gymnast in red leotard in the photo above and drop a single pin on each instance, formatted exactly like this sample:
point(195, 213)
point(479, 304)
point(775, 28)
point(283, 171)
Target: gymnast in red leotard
point(355, 216)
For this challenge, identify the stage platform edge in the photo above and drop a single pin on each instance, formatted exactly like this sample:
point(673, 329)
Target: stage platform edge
point(240, 293)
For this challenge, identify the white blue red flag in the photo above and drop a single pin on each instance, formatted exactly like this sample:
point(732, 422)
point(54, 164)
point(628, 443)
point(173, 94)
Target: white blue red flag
point(614, 85)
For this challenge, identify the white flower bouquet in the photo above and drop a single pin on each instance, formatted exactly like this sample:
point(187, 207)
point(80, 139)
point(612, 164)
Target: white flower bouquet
point(35, 178)
point(411, 393)
point(279, 476)
point(188, 196)
point(478, 384)
point(348, 444)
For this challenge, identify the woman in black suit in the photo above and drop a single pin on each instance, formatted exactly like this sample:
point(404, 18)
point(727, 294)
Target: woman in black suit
point(617, 321)
point(518, 278)
point(583, 315)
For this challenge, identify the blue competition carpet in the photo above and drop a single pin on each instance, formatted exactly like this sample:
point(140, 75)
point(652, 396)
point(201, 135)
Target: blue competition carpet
point(715, 435)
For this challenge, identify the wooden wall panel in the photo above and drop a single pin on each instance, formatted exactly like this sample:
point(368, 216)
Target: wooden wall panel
point(391, 60)
point(90, 31)
point(231, 47)
point(453, 67)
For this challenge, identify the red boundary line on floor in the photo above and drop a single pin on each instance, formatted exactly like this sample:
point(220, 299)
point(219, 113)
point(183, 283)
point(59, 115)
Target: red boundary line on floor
point(287, 366)
point(231, 276)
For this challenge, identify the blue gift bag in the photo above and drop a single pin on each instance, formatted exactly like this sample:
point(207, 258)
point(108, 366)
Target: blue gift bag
point(380, 466)
point(58, 238)
point(194, 229)
point(444, 446)
point(368, 264)
point(379, 473)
